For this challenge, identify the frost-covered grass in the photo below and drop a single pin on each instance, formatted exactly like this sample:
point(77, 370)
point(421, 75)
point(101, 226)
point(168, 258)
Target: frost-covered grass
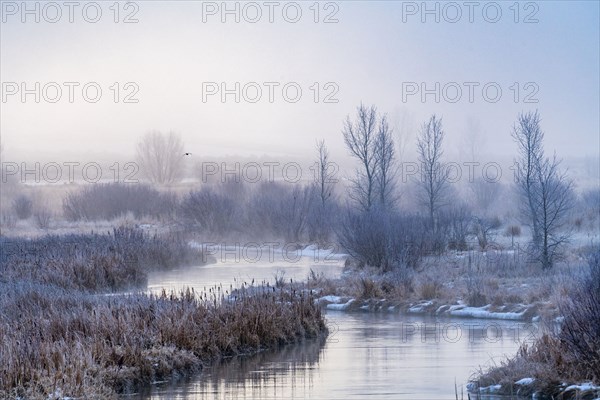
point(61, 334)
point(570, 354)
point(94, 262)
point(96, 346)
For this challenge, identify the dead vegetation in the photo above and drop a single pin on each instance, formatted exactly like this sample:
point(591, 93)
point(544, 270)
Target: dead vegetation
point(62, 334)
point(567, 353)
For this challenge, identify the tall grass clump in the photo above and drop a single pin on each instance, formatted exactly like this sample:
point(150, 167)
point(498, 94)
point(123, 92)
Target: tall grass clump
point(43, 216)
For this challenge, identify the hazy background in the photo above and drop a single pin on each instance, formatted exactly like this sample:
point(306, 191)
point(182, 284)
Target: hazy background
point(170, 52)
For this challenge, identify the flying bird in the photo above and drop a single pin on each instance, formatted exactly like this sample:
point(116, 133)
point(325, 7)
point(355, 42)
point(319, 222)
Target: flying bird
point(187, 154)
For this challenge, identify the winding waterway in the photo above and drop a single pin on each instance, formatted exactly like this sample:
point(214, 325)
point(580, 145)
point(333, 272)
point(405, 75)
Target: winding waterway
point(366, 356)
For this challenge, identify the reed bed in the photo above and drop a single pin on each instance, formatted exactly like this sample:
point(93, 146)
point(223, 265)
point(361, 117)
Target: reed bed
point(113, 261)
point(63, 334)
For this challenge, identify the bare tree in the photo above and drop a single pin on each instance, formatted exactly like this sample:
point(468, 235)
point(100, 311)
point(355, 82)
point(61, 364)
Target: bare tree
point(324, 174)
point(553, 200)
point(161, 157)
point(434, 175)
point(360, 137)
point(546, 191)
point(528, 136)
point(320, 219)
point(385, 172)
point(370, 140)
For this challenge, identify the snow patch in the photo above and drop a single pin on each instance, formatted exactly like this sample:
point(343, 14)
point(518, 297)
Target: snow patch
point(442, 308)
point(490, 389)
point(420, 307)
point(525, 381)
point(340, 307)
point(330, 299)
point(482, 312)
point(583, 387)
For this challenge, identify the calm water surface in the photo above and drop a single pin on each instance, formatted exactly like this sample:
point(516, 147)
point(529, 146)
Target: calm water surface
point(366, 356)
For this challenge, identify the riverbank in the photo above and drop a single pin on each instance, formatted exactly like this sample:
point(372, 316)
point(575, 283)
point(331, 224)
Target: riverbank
point(514, 312)
point(102, 345)
point(564, 363)
point(450, 287)
point(65, 331)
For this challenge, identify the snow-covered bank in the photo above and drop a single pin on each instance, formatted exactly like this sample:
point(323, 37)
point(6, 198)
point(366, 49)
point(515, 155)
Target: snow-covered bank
point(534, 389)
point(483, 312)
point(516, 312)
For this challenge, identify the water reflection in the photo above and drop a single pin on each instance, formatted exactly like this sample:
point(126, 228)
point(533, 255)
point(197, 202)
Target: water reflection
point(375, 356)
point(367, 355)
point(279, 373)
point(231, 269)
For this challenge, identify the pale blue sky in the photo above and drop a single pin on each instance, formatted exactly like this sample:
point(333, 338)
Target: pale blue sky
point(369, 53)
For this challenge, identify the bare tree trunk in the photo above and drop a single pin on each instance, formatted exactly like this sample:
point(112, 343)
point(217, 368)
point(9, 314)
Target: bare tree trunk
point(360, 138)
point(325, 179)
point(386, 165)
point(370, 140)
point(434, 176)
point(529, 136)
point(554, 201)
point(320, 218)
point(547, 193)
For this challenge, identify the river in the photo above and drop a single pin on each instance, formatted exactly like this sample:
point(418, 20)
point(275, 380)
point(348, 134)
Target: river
point(366, 356)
